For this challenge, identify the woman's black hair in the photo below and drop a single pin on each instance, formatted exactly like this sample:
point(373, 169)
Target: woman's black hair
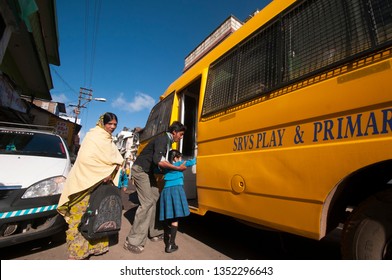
point(173, 154)
point(108, 116)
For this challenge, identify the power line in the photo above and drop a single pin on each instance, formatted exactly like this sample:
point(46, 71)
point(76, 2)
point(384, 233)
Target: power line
point(88, 77)
point(86, 18)
point(65, 82)
point(95, 35)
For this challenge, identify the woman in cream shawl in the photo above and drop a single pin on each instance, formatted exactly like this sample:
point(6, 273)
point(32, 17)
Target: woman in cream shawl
point(98, 160)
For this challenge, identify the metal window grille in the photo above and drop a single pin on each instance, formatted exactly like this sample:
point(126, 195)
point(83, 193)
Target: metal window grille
point(159, 119)
point(311, 37)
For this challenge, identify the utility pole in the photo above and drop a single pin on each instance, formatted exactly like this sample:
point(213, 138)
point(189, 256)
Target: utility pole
point(85, 96)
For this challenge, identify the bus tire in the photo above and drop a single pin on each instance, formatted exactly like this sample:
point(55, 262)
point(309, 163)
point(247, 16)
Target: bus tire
point(367, 233)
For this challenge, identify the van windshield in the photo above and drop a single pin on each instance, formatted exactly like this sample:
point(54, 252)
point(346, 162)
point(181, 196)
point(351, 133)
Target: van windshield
point(31, 143)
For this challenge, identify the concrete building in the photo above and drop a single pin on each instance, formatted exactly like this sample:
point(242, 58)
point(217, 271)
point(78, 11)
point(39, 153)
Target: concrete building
point(28, 45)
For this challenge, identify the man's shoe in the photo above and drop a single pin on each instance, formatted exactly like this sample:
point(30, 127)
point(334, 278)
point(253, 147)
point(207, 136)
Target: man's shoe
point(132, 248)
point(171, 248)
point(157, 238)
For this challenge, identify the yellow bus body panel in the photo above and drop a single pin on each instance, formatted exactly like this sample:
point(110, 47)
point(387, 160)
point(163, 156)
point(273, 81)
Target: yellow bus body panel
point(286, 165)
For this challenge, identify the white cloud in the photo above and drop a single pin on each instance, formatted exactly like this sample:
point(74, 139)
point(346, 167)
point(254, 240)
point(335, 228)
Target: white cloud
point(140, 102)
point(60, 98)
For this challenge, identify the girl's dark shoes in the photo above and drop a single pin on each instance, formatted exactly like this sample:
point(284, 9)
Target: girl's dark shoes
point(169, 237)
point(170, 248)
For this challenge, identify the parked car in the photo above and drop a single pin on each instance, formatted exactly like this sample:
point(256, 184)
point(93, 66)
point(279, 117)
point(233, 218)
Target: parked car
point(34, 165)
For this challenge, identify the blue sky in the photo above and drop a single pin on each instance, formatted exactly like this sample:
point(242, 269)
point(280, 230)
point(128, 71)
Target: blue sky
point(130, 51)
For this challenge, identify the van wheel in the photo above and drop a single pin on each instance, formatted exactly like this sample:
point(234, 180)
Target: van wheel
point(367, 234)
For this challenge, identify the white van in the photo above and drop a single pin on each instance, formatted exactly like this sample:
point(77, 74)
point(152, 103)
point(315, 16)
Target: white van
point(34, 165)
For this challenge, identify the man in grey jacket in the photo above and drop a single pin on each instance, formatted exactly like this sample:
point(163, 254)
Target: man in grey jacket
point(152, 156)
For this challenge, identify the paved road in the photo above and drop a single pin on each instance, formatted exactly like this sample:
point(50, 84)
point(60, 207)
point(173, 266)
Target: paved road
point(213, 237)
point(46, 249)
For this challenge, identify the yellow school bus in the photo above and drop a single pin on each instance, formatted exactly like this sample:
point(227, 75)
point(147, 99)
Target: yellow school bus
point(290, 118)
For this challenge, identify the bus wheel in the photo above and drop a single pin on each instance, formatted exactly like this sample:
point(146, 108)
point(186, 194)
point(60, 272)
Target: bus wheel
point(367, 234)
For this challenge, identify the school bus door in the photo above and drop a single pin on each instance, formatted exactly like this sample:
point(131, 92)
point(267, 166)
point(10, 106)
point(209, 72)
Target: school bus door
point(189, 101)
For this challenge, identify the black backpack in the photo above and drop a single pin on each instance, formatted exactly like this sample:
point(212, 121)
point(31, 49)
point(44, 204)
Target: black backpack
point(103, 213)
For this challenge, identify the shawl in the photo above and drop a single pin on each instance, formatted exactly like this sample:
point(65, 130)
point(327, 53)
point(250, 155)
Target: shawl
point(97, 158)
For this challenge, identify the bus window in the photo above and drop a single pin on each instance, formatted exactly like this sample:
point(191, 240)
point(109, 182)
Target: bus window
point(159, 119)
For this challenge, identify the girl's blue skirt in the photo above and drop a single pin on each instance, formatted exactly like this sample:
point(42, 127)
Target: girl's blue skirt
point(173, 203)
